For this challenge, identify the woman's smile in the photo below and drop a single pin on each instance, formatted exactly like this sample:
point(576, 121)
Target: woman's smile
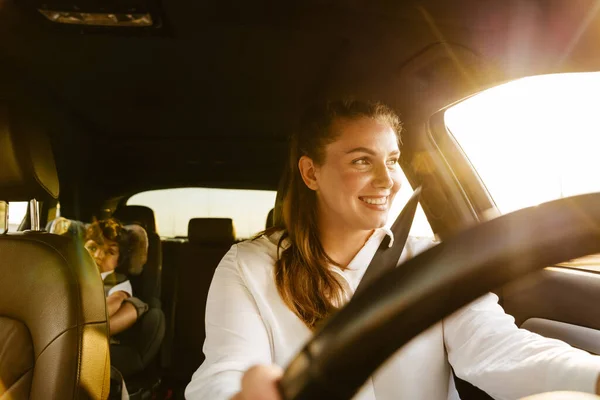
point(379, 203)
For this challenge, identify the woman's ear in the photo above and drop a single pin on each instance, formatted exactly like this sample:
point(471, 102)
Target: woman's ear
point(308, 171)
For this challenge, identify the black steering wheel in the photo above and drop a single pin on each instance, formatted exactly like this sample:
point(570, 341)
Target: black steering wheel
point(404, 302)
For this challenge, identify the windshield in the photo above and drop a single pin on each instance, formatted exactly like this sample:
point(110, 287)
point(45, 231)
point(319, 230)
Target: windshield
point(534, 139)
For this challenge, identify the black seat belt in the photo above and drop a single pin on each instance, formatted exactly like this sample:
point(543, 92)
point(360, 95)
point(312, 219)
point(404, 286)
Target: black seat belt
point(386, 258)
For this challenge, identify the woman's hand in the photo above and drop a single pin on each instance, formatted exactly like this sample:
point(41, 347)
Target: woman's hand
point(260, 383)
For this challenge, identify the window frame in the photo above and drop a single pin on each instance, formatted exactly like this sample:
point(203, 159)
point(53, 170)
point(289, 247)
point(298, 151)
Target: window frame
point(471, 184)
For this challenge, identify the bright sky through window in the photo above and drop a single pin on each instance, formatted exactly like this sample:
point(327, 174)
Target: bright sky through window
point(174, 208)
point(16, 213)
point(533, 140)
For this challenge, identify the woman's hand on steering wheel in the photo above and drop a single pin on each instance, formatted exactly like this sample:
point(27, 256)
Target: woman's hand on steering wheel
point(260, 383)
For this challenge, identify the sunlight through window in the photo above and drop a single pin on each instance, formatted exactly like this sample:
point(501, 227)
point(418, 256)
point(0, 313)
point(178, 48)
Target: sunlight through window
point(533, 140)
point(16, 213)
point(174, 208)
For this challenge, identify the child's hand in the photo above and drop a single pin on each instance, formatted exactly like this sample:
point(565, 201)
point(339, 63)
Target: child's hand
point(114, 301)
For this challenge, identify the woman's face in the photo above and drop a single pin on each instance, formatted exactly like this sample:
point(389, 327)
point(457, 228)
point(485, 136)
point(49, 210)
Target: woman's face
point(360, 176)
point(106, 255)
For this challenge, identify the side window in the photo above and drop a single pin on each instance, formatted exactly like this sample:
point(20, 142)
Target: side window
point(533, 140)
point(16, 213)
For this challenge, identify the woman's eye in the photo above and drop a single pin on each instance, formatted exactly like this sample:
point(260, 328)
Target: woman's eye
point(360, 161)
point(392, 162)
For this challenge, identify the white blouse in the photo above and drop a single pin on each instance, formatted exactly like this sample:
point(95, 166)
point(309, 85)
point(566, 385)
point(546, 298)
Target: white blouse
point(247, 323)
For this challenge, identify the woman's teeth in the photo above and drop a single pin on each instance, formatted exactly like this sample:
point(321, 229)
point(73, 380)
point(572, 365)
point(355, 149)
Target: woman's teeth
point(376, 201)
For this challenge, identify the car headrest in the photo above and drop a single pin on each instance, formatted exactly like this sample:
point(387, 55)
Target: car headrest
point(67, 227)
point(27, 168)
point(139, 249)
point(211, 231)
point(140, 215)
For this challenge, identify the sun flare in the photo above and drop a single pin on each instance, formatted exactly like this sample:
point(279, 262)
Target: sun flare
point(533, 140)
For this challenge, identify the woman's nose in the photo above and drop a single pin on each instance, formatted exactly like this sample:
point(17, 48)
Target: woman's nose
point(383, 178)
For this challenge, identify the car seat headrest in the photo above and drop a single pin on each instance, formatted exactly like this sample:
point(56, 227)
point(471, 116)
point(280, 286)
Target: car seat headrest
point(140, 215)
point(27, 168)
point(67, 227)
point(211, 231)
point(139, 248)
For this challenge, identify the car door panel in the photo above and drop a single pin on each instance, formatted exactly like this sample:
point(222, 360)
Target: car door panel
point(578, 336)
point(558, 302)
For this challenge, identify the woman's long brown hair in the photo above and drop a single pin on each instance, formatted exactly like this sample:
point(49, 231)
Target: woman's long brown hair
point(303, 275)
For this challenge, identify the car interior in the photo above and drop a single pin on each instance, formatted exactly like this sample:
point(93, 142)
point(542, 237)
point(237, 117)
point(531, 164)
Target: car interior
point(103, 100)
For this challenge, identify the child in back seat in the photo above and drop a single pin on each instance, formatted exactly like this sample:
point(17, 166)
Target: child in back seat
point(111, 246)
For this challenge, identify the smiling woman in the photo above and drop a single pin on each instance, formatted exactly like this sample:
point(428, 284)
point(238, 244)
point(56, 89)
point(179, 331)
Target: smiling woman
point(532, 140)
point(268, 295)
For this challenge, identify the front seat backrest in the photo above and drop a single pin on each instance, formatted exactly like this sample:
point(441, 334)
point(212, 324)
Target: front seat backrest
point(53, 321)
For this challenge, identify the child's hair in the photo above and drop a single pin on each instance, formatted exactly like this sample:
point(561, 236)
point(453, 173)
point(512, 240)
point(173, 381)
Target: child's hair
point(112, 229)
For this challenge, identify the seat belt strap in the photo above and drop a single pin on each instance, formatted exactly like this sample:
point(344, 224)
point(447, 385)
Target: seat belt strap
point(386, 257)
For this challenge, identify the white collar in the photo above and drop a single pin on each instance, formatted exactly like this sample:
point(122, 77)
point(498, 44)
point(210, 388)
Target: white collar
point(389, 233)
point(105, 274)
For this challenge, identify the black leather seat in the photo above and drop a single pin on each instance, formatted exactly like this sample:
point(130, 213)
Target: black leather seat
point(171, 251)
point(209, 240)
point(53, 320)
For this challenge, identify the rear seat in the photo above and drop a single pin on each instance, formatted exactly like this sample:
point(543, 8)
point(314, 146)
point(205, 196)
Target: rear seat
point(209, 240)
point(172, 250)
